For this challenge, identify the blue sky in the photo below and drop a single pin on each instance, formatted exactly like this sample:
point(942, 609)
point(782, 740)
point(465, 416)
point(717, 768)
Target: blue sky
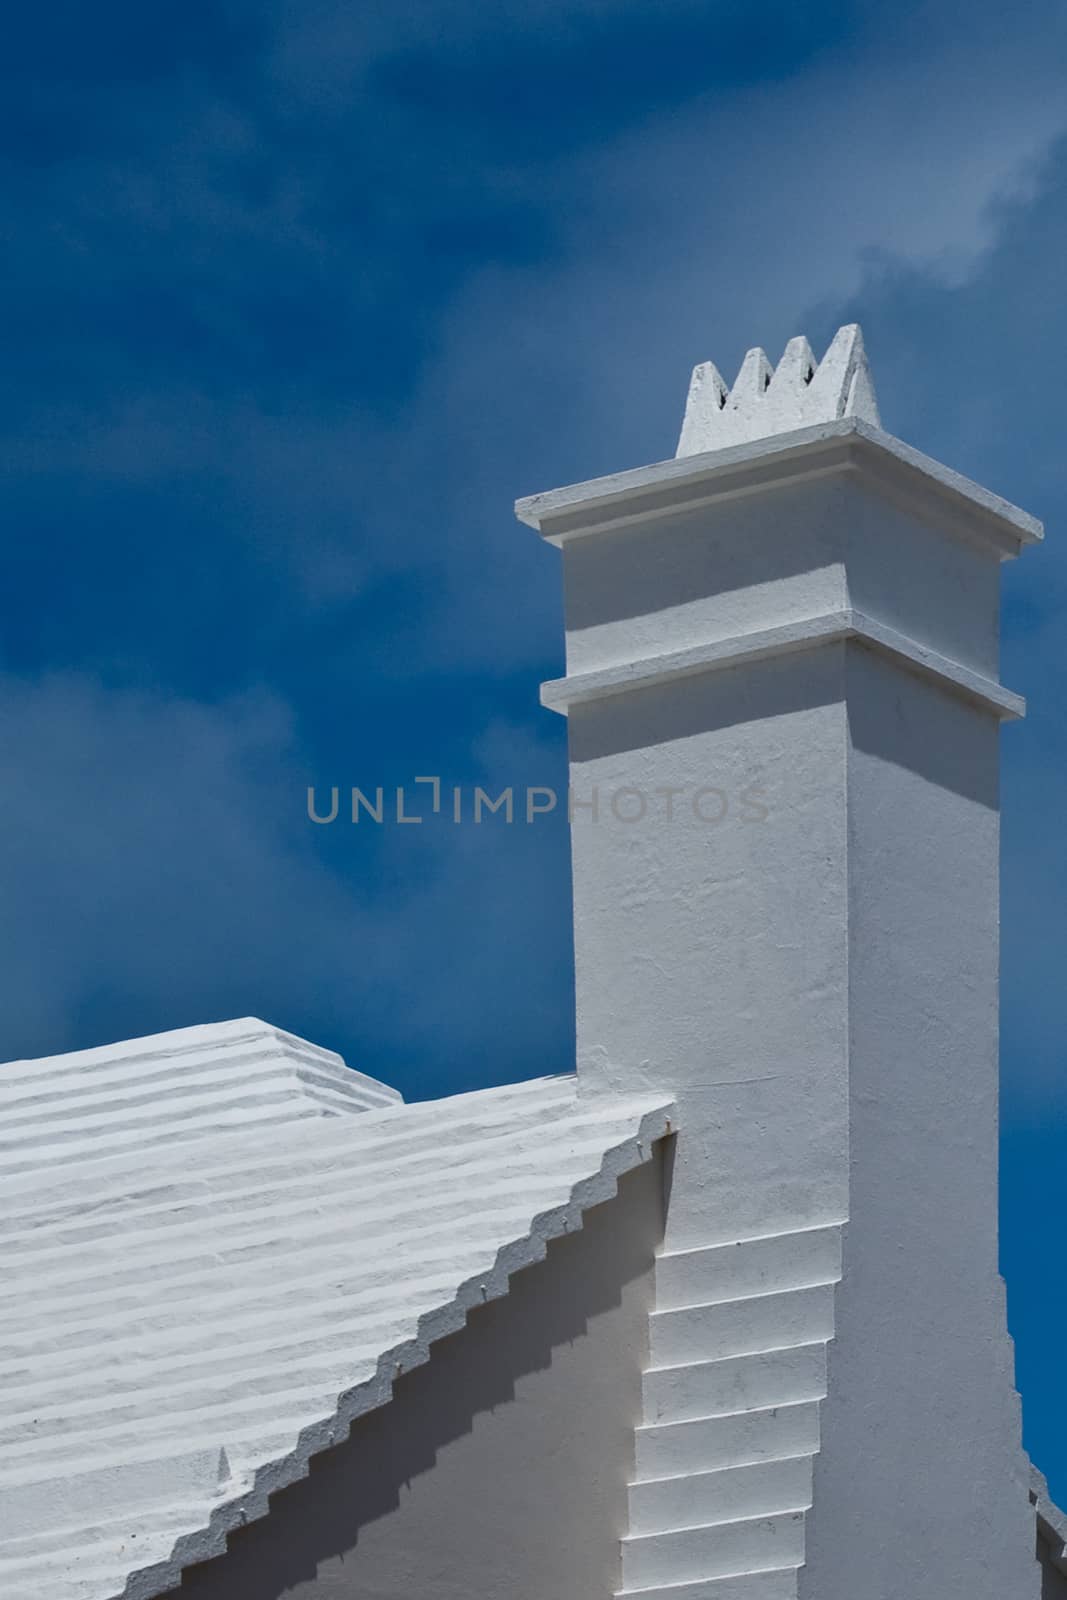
point(298, 299)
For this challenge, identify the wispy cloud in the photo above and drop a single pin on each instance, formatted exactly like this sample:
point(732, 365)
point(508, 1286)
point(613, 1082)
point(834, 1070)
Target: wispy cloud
point(306, 296)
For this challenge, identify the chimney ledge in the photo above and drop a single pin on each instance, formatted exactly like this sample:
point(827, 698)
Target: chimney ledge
point(808, 633)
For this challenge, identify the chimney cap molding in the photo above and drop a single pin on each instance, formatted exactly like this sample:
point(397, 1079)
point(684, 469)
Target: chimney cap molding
point(846, 444)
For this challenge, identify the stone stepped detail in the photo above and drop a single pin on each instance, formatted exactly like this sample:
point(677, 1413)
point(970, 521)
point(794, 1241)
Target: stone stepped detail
point(730, 1426)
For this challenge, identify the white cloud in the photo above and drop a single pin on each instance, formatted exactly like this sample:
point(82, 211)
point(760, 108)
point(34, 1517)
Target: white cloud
point(746, 219)
point(153, 855)
point(158, 864)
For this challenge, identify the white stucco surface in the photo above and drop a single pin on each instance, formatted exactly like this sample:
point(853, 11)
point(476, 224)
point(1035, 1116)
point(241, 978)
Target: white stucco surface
point(803, 607)
point(219, 1247)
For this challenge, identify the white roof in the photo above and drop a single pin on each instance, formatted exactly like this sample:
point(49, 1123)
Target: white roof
point(219, 1247)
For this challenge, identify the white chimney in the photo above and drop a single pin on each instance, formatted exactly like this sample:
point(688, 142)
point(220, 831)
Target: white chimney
point(784, 708)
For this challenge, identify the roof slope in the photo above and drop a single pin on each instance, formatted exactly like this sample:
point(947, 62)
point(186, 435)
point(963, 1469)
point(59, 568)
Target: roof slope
point(219, 1247)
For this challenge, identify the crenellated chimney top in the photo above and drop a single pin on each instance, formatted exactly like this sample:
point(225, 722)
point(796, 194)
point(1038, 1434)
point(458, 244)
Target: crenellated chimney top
point(766, 400)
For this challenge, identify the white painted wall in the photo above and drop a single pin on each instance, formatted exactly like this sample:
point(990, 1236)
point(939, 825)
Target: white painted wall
point(921, 1479)
point(819, 990)
point(714, 954)
point(497, 1469)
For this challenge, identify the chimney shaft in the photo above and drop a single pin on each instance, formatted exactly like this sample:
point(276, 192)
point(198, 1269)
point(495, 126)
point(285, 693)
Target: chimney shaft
point(784, 706)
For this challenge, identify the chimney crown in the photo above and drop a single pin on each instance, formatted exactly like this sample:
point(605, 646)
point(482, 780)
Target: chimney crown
point(766, 400)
